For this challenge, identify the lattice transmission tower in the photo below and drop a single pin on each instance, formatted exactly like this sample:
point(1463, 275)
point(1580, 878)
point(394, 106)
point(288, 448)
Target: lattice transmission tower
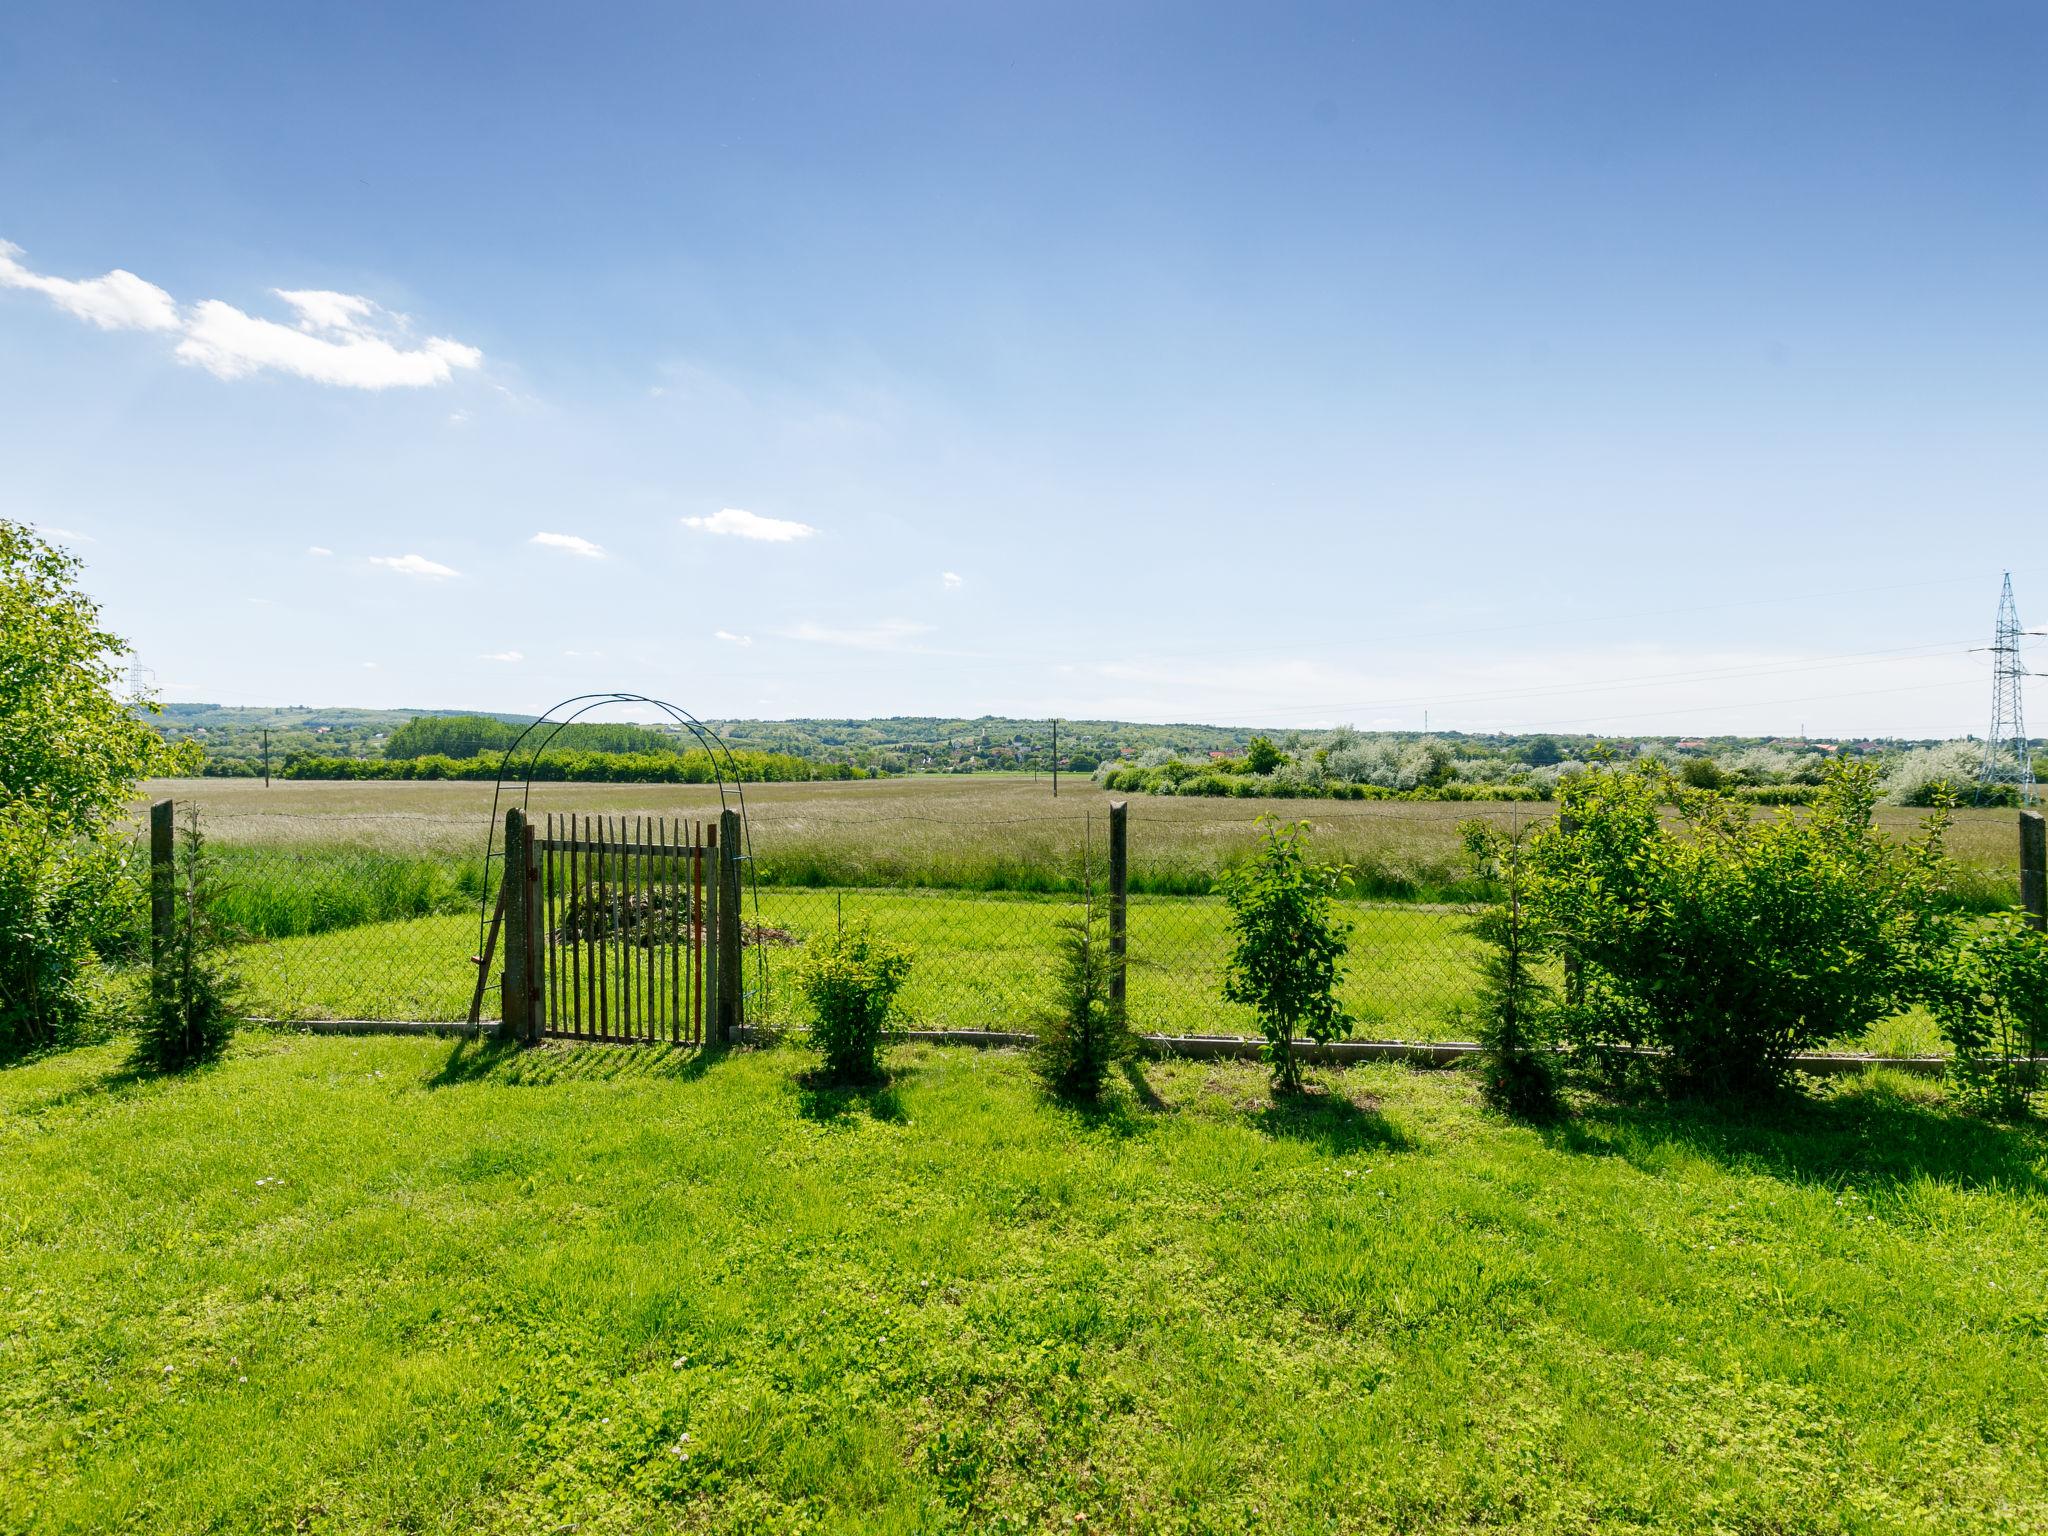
point(2008, 755)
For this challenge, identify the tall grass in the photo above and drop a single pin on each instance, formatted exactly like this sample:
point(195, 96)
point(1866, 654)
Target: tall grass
point(281, 893)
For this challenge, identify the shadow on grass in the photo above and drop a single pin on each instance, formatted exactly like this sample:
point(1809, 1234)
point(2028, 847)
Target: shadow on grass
point(1329, 1120)
point(829, 1100)
point(1865, 1134)
point(494, 1059)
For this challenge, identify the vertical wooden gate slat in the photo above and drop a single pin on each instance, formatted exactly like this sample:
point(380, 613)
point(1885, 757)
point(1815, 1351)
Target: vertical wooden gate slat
point(547, 939)
point(697, 928)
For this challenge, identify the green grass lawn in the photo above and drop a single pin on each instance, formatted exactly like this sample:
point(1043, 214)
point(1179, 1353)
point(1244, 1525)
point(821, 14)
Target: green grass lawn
point(379, 1284)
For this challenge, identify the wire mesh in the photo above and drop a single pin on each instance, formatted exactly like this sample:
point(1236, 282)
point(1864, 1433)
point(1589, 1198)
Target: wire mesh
point(377, 918)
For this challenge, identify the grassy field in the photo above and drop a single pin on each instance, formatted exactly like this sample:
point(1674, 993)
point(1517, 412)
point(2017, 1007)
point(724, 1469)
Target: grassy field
point(338, 1285)
point(371, 893)
point(953, 833)
point(982, 962)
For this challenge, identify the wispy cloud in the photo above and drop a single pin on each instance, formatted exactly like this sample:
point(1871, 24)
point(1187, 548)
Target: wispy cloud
point(950, 580)
point(415, 565)
point(569, 542)
point(883, 635)
point(119, 301)
point(68, 535)
point(750, 525)
point(732, 639)
point(501, 656)
point(319, 551)
point(338, 338)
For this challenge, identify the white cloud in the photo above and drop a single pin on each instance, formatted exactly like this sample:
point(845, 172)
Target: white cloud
point(571, 543)
point(883, 635)
point(751, 525)
point(950, 580)
point(501, 656)
point(369, 666)
point(119, 301)
point(68, 535)
point(340, 338)
point(732, 639)
point(321, 310)
point(585, 655)
point(231, 345)
point(320, 552)
point(415, 565)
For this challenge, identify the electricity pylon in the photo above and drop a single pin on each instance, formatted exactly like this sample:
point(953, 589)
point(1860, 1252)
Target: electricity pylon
point(2008, 755)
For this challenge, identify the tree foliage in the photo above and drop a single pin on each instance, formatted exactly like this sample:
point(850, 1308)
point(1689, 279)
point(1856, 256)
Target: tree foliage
point(190, 1015)
point(1287, 943)
point(1728, 942)
point(851, 978)
point(1517, 1067)
point(1992, 1005)
point(1084, 1033)
point(71, 753)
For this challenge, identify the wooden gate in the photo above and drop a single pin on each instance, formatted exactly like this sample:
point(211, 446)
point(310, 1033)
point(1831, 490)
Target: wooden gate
point(621, 929)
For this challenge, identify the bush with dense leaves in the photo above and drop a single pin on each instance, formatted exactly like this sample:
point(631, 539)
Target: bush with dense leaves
point(850, 979)
point(1992, 1005)
point(1726, 942)
point(1518, 1072)
point(1287, 943)
point(71, 753)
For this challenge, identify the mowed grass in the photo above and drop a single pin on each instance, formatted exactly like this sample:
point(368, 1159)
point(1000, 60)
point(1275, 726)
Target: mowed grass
point(981, 962)
point(374, 1284)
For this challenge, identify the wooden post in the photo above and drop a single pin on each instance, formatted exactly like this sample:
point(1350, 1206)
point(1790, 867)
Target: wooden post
point(2034, 868)
point(731, 966)
point(162, 882)
point(536, 941)
point(711, 948)
point(513, 991)
point(1119, 895)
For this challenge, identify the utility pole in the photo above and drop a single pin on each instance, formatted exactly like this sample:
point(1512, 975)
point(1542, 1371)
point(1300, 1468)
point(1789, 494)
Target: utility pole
point(266, 757)
point(2008, 754)
point(1055, 758)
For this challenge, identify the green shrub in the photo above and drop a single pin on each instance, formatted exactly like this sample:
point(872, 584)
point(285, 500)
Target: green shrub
point(1084, 1033)
point(44, 950)
point(1702, 773)
point(1729, 943)
point(1261, 756)
point(850, 978)
point(189, 1016)
point(1992, 1005)
point(72, 750)
point(1518, 1072)
point(1287, 943)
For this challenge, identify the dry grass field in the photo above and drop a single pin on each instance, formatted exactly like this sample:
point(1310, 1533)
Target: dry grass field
point(980, 832)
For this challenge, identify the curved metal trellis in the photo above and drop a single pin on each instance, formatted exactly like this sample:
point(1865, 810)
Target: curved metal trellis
point(731, 796)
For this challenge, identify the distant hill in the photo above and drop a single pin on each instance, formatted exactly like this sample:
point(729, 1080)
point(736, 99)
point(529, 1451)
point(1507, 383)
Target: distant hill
point(233, 738)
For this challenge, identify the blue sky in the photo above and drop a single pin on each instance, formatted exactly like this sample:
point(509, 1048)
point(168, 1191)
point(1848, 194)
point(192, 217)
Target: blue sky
point(1608, 367)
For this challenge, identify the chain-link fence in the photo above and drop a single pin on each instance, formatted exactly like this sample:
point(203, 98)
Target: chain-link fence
point(363, 916)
